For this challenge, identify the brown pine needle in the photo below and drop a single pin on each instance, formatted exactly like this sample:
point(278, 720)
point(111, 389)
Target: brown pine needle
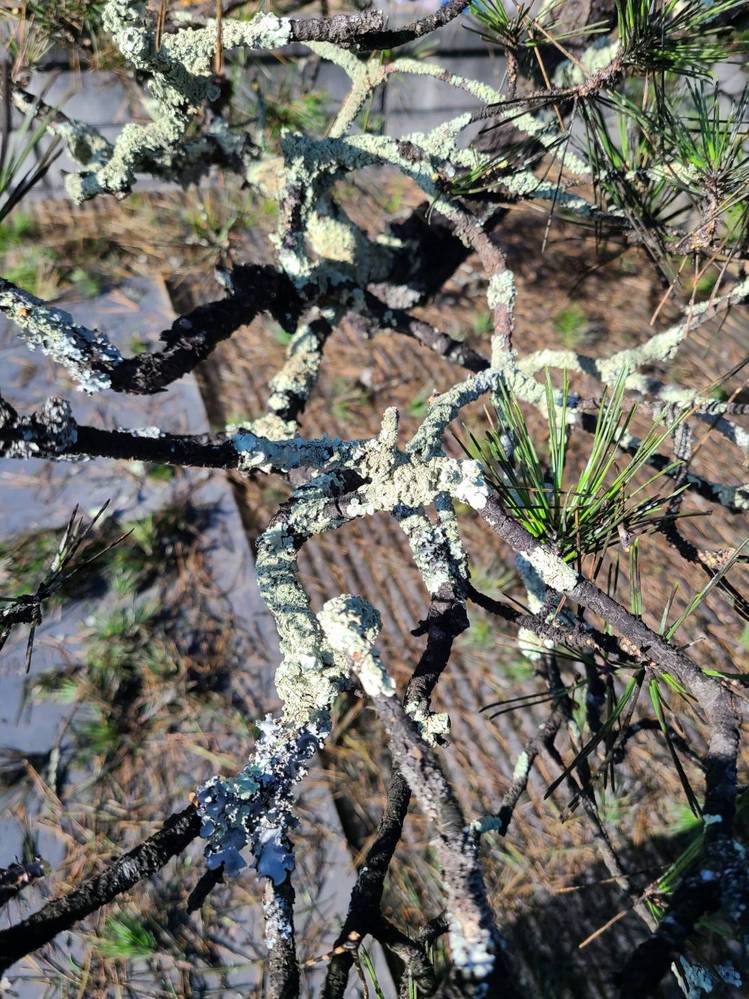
point(160, 22)
point(602, 929)
point(218, 58)
point(547, 81)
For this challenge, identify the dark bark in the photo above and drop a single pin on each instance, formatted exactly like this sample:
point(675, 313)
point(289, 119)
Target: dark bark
point(368, 31)
point(715, 700)
point(543, 738)
point(440, 251)
point(182, 450)
point(16, 877)
point(283, 968)
point(446, 619)
point(120, 876)
point(695, 895)
point(192, 337)
point(208, 880)
point(366, 895)
point(717, 880)
point(436, 340)
point(457, 851)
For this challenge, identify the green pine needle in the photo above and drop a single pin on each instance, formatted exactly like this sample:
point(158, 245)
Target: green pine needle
point(605, 501)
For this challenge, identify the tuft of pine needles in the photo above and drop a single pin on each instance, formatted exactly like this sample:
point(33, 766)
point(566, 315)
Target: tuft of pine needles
point(684, 37)
point(23, 161)
point(125, 938)
point(40, 24)
point(72, 556)
point(604, 502)
point(527, 26)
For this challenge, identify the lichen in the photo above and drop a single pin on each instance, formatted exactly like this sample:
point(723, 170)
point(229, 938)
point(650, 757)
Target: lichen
point(501, 290)
point(473, 951)
point(729, 974)
point(597, 56)
point(273, 453)
point(86, 145)
point(436, 549)
point(181, 80)
point(434, 726)
point(82, 351)
point(486, 824)
point(50, 431)
point(254, 809)
point(273, 858)
point(554, 572)
point(351, 626)
point(472, 487)
point(333, 264)
point(697, 979)
point(522, 767)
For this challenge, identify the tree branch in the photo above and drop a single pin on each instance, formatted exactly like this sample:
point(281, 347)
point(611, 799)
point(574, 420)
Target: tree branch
point(61, 914)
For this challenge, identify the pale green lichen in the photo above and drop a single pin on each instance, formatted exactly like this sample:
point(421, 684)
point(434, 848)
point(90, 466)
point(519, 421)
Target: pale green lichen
point(501, 290)
point(181, 81)
point(446, 407)
point(663, 346)
point(522, 767)
point(306, 680)
point(56, 334)
point(551, 569)
point(271, 426)
point(325, 253)
point(308, 676)
point(195, 47)
point(434, 726)
point(268, 453)
point(437, 549)
point(298, 375)
point(544, 130)
point(472, 487)
point(482, 91)
point(351, 626)
point(600, 54)
point(427, 544)
point(414, 483)
point(660, 348)
point(86, 145)
point(346, 59)
point(447, 524)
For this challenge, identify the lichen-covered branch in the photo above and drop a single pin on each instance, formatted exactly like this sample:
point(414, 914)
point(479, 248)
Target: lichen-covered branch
point(327, 268)
point(96, 364)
